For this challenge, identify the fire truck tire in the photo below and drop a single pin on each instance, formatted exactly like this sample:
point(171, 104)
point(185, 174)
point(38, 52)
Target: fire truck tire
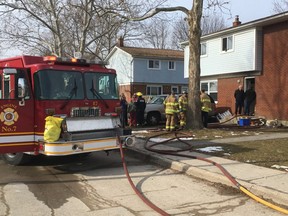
point(82, 155)
point(15, 158)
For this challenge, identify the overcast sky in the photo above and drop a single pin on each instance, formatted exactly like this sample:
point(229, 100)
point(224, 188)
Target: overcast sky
point(248, 10)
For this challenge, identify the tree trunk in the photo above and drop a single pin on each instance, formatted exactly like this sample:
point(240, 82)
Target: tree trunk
point(194, 121)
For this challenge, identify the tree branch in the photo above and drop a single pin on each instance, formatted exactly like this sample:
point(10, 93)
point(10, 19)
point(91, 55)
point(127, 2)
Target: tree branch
point(150, 13)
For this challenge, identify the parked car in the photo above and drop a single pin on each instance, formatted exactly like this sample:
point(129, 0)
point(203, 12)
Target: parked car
point(213, 106)
point(154, 112)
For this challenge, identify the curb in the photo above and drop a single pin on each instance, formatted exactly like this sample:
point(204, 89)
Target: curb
point(269, 194)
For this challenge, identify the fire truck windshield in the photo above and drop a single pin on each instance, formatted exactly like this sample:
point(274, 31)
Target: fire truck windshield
point(63, 85)
point(101, 85)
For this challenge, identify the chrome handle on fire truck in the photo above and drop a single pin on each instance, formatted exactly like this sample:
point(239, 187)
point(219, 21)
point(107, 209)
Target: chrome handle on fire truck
point(22, 102)
point(21, 91)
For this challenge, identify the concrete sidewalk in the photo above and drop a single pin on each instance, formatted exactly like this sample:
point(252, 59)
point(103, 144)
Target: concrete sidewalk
point(265, 183)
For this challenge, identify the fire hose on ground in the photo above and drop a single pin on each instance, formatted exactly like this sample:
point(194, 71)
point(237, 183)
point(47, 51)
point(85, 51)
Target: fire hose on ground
point(188, 147)
point(139, 194)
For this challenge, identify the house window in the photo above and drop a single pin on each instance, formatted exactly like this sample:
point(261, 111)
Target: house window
point(171, 65)
point(175, 89)
point(154, 90)
point(227, 43)
point(153, 64)
point(211, 88)
point(203, 48)
point(184, 88)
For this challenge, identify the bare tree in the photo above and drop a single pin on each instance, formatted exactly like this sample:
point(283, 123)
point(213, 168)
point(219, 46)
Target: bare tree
point(280, 6)
point(25, 24)
point(194, 16)
point(62, 27)
point(194, 105)
point(211, 22)
point(180, 32)
point(155, 34)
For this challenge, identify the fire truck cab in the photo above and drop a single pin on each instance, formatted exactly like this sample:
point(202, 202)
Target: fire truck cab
point(84, 94)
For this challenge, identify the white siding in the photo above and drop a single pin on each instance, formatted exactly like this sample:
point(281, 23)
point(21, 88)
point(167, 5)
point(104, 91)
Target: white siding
point(186, 62)
point(240, 59)
point(123, 64)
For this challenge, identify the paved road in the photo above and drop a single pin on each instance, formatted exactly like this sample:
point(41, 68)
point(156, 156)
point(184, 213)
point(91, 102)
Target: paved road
point(97, 186)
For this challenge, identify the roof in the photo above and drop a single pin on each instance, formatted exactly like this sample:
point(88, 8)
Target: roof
point(153, 53)
point(270, 20)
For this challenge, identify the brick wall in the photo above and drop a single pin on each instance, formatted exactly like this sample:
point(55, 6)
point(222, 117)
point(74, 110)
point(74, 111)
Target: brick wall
point(271, 87)
point(126, 89)
point(226, 89)
point(129, 90)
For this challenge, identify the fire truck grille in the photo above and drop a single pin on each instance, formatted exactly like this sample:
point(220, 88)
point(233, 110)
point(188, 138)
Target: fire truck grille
point(85, 112)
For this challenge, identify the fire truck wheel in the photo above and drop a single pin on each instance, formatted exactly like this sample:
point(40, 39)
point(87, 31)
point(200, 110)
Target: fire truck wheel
point(15, 158)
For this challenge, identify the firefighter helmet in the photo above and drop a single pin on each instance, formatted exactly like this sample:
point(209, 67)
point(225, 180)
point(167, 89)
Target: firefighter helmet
point(139, 94)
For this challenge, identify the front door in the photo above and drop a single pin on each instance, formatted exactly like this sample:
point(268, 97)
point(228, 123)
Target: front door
point(250, 98)
point(249, 83)
point(16, 112)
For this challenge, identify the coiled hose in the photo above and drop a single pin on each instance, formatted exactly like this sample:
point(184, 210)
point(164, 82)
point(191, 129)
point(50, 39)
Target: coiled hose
point(223, 170)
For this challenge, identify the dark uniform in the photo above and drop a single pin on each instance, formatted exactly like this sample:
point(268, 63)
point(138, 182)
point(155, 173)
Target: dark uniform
point(124, 105)
point(250, 99)
point(140, 108)
point(239, 95)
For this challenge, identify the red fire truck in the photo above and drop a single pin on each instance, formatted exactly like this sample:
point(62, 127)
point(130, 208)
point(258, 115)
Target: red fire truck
point(84, 94)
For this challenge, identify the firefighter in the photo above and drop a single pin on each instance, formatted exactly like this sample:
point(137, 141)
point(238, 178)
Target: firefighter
point(183, 103)
point(205, 107)
point(132, 111)
point(140, 108)
point(171, 109)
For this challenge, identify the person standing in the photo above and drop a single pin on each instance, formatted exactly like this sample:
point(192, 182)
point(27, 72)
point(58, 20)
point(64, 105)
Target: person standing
point(239, 96)
point(140, 109)
point(132, 111)
point(205, 107)
point(183, 103)
point(250, 99)
point(171, 108)
point(124, 105)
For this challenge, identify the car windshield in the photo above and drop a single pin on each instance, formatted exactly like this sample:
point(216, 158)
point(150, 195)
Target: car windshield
point(157, 100)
